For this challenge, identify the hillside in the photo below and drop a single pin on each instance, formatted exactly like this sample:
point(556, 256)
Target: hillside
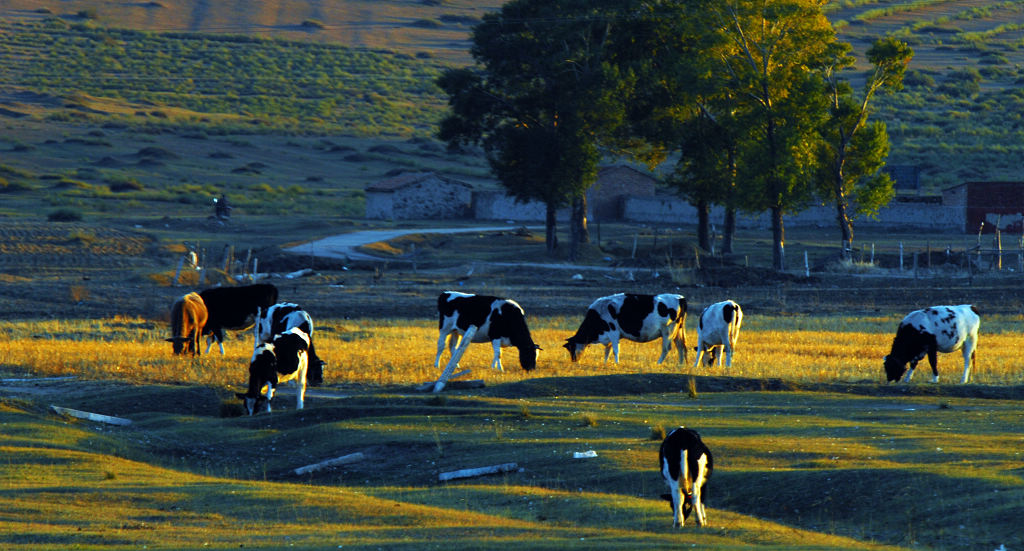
point(323, 98)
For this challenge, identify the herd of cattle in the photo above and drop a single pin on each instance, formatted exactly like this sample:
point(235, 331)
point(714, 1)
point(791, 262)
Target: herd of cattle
point(283, 349)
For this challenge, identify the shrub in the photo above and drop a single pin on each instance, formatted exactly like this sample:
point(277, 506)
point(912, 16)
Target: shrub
point(64, 215)
point(123, 184)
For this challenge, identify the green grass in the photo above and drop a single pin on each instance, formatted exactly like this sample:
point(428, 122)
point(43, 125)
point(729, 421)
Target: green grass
point(793, 470)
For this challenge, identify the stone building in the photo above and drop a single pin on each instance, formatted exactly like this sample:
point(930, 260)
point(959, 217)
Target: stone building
point(418, 195)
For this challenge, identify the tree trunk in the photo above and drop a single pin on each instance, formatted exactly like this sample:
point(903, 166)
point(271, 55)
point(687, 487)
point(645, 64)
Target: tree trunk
point(845, 226)
point(578, 233)
point(704, 225)
point(778, 239)
point(730, 229)
point(550, 225)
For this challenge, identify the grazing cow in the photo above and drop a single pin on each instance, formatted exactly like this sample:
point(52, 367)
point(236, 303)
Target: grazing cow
point(285, 359)
point(718, 327)
point(639, 318)
point(686, 464)
point(234, 308)
point(278, 320)
point(188, 316)
point(926, 332)
point(479, 318)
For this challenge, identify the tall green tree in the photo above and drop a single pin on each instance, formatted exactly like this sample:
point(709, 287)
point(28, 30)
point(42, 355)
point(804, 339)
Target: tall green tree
point(773, 46)
point(853, 151)
point(538, 99)
point(681, 105)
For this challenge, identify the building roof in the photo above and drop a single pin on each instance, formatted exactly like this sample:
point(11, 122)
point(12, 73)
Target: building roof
point(407, 179)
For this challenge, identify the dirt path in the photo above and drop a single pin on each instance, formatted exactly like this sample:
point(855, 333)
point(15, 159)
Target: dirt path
point(344, 246)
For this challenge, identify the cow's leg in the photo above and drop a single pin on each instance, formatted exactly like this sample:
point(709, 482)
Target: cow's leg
point(496, 362)
point(453, 362)
point(969, 350)
point(666, 346)
point(300, 383)
point(728, 353)
point(607, 349)
point(683, 484)
point(700, 353)
point(675, 493)
point(910, 372)
point(698, 485)
point(680, 341)
point(719, 353)
point(446, 340)
point(933, 360)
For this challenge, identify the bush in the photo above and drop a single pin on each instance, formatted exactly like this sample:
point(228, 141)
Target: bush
point(64, 215)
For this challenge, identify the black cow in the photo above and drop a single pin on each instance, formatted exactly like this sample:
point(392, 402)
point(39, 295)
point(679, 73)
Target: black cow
point(279, 320)
point(639, 318)
point(234, 308)
point(686, 464)
point(466, 318)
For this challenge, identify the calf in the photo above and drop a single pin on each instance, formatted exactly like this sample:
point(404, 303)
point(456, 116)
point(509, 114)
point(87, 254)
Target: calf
point(282, 360)
point(466, 318)
point(234, 308)
point(280, 319)
point(926, 332)
point(639, 318)
point(686, 464)
point(718, 327)
point(188, 317)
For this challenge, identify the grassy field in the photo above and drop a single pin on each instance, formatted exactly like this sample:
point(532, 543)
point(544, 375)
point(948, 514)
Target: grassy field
point(805, 465)
point(291, 109)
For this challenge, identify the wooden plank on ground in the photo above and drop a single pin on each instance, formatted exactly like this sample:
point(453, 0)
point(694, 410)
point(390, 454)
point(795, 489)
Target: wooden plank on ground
point(350, 458)
point(98, 417)
point(479, 471)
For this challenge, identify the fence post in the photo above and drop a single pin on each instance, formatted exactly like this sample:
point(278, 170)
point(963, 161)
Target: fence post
point(999, 249)
point(807, 266)
point(872, 254)
point(901, 256)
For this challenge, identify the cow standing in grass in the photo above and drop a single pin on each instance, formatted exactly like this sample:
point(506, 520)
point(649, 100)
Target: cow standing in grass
point(188, 317)
point(234, 308)
point(284, 359)
point(686, 464)
point(466, 318)
point(279, 320)
point(718, 328)
point(639, 318)
point(929, 331)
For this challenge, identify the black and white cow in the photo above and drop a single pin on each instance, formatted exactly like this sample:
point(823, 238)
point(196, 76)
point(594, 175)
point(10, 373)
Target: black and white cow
point(279, 319)
point(466, 318)
point(931, 330)
point(234, 308)
point(718, 327)
point(639, 318)
point(284, 359)
point(686, 464)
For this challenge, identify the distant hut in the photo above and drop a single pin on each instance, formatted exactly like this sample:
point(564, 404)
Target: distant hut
point(418, 195)
point(613, 185)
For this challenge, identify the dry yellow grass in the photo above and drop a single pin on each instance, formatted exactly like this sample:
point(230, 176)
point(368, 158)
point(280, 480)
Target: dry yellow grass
point(388, 352)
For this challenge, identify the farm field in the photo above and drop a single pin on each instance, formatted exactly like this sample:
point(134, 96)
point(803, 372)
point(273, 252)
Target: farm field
point(108, 168)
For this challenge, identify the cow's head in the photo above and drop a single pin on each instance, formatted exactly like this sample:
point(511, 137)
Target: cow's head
point(894, 368)
point(178, 344)
point(575, 348)
point(528, 356)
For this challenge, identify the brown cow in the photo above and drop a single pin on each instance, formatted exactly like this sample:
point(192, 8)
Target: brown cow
point(188, 316)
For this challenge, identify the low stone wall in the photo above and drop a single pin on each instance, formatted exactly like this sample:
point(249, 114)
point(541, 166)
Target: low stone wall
point(898, 214)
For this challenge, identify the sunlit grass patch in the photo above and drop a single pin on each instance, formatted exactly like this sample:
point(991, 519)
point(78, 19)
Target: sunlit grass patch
point(402, 352)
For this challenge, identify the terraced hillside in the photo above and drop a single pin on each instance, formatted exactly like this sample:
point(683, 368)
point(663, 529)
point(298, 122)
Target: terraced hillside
point(366, 68)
